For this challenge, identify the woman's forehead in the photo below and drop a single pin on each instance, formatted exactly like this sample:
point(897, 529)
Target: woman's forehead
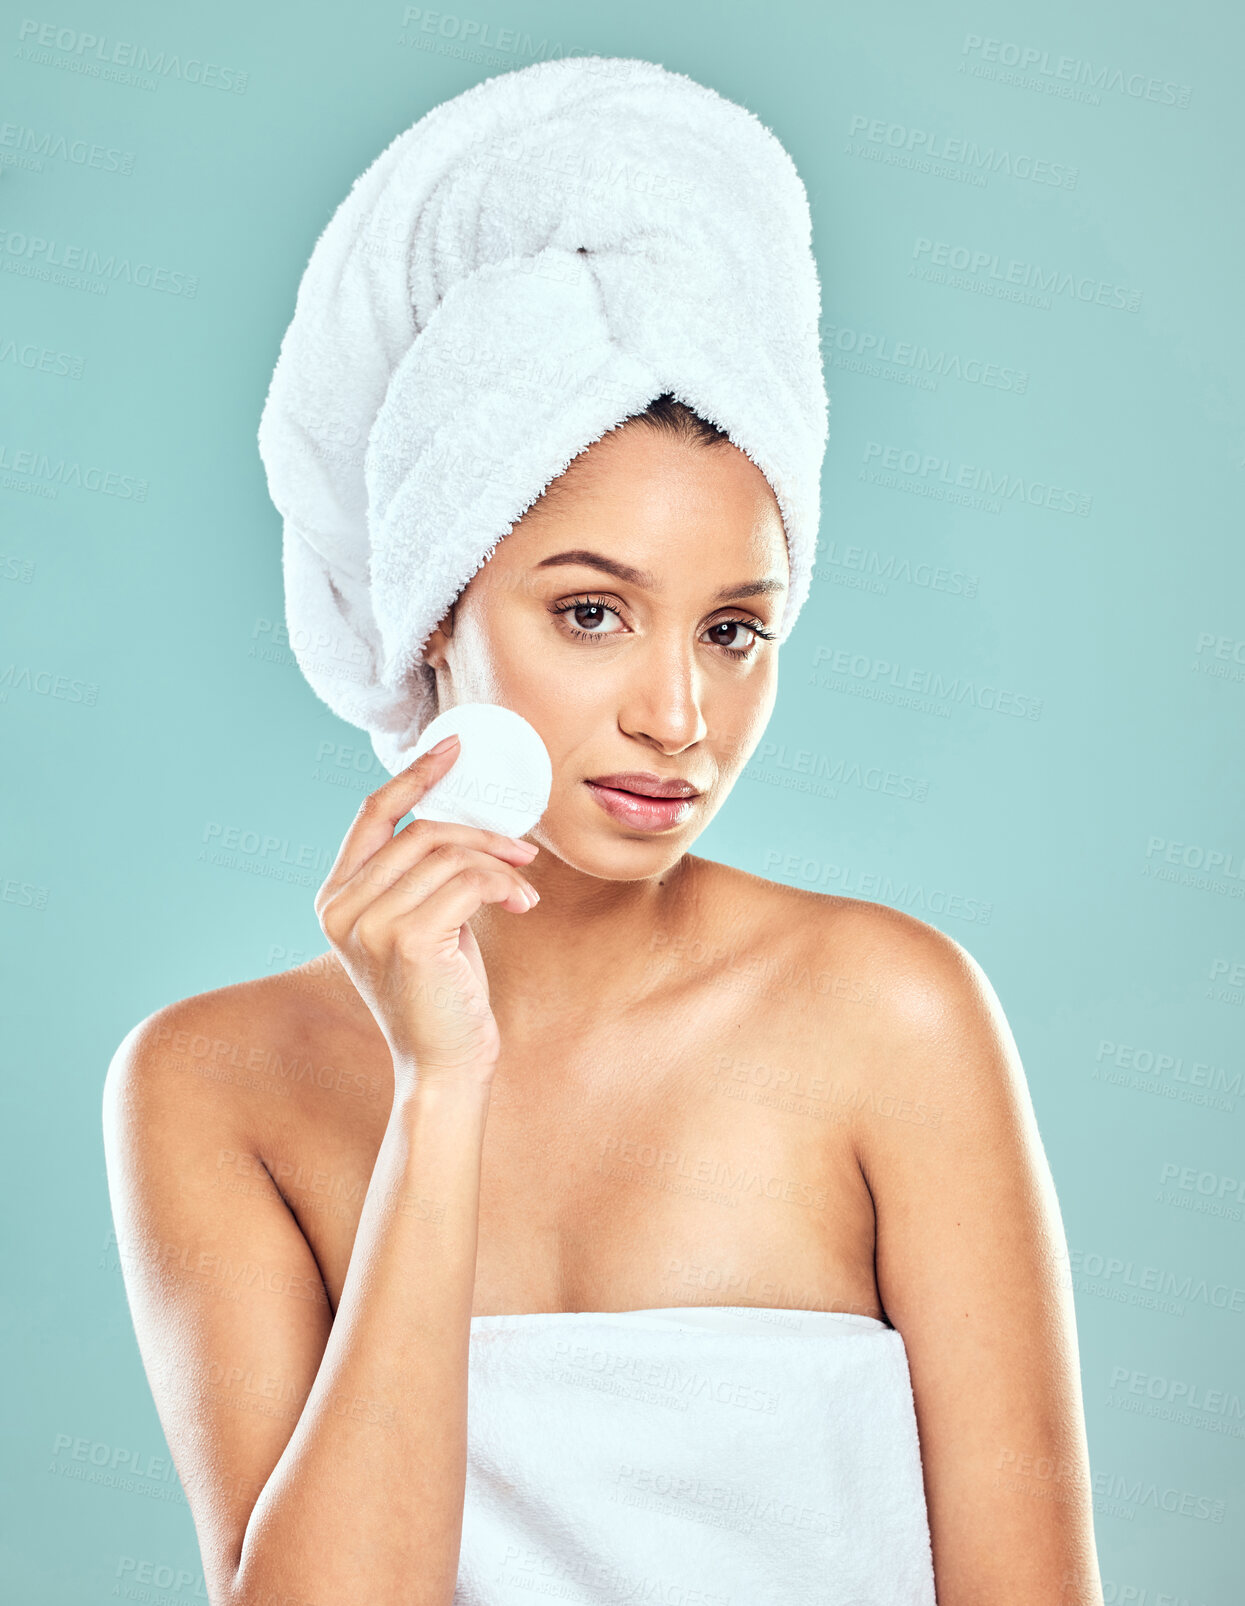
point(638, 481)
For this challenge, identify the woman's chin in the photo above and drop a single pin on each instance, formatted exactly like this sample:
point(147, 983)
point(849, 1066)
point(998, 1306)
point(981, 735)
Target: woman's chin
point(612, 852)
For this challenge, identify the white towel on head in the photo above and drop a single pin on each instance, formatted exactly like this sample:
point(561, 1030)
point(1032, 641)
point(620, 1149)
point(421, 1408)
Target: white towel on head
point(532, 262)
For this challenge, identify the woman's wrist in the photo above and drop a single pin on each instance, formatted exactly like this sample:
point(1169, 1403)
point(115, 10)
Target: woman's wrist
point(418, 1092)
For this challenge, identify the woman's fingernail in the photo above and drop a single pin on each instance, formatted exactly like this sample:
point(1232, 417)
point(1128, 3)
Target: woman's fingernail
point(443, 744)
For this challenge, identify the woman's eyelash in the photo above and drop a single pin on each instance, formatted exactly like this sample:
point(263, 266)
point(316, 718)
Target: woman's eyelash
point(755, 625)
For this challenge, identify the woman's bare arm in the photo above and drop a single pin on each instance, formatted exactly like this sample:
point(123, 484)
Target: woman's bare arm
point(972, 1269)
point(349, 1492)
point(324, 1461)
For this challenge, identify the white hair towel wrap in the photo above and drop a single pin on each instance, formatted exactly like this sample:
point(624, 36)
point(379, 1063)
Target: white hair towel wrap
point(528, 265)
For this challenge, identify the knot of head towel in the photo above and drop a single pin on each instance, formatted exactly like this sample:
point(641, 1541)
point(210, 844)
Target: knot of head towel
point(531, 263)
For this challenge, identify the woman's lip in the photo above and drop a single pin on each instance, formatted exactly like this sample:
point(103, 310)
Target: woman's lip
point(644, 813)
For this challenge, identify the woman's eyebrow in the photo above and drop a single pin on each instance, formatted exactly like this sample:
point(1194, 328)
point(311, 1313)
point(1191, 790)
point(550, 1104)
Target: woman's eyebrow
point(639, 577)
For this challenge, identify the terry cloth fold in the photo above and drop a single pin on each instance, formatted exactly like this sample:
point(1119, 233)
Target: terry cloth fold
point(531, 263)
point(710, 1456)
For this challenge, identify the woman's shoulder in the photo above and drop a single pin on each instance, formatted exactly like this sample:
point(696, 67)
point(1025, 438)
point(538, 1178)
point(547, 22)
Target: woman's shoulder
point(888, 944)
point(248, 1037)
point(890, 991)
point(821, 952)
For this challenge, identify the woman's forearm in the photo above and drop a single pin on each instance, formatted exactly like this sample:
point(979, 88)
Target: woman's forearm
point(365, 1506)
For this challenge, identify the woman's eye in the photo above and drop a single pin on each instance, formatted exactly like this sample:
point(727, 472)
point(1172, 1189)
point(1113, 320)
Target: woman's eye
point(733, 641)
point(591, 617)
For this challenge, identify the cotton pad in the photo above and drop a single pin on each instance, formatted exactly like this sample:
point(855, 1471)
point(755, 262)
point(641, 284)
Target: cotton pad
point(502, 776)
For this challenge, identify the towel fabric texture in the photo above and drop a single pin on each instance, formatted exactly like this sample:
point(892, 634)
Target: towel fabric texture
point(528, 265)
point(706, 1457)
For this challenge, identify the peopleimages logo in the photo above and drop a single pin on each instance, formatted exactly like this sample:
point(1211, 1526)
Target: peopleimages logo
point(1211, 869)
point(51, 473)
point(468, 38)
point(94, 54)
point(1173, 1076)
point(937, 474)
point(1067, 73)
point(178, 1580)
point(33, 145)
point(1175, 1391)
point(1158, 1286)
point(1203, 1192)
point(795, 764)
point(82, 267)
point(867, 569)
point(47, 683)
point(1122, 1497)
point(1030, 276)
point(877, 887)
point(41, 359)
point(862, 351)
point(1220, 656)
point(927, 690)
point(979, 161)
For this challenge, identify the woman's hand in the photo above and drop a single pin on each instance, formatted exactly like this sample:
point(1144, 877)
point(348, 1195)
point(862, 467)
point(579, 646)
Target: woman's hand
point(395, 910)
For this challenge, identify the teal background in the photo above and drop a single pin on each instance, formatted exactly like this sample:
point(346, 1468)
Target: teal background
point(1067, 852)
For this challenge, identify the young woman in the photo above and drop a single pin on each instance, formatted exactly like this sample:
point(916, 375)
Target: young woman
point(521, 1087)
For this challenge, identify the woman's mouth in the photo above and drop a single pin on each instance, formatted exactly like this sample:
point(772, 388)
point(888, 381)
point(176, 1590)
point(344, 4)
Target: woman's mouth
point(629, 800)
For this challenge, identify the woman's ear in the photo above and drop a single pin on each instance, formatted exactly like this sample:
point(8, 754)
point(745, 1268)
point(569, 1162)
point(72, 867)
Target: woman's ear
point(434, 648)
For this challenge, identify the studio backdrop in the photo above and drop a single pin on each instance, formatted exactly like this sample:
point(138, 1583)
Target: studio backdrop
point(1012, 706)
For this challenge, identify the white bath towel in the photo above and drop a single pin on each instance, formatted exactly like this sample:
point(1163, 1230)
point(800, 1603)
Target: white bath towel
point(529, 264)
point(694, 1458)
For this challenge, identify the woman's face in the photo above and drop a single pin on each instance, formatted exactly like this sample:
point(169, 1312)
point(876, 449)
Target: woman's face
point(622, 617)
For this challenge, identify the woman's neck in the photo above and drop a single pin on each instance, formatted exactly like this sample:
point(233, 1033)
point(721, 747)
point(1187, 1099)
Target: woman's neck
point(588, 940)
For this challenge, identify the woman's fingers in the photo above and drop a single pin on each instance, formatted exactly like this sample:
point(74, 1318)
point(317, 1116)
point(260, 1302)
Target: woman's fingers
point(414, 844)
point(372, 858)
point(414, 903)
point(431, 930)
point(395, 909)
point(381, 810)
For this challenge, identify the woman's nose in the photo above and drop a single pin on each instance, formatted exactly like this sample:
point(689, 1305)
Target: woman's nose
point(662, 694)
